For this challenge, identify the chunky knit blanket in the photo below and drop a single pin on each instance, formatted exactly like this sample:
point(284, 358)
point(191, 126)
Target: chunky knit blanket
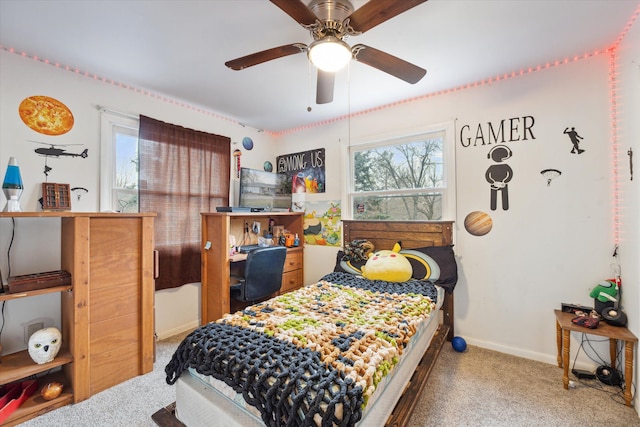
point(314, 356)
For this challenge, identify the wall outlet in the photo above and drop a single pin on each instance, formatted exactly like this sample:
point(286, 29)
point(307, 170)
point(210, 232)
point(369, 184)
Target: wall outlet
point(30, 329)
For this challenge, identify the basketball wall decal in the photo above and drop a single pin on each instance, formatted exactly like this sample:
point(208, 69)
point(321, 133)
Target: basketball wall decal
point(478, 223)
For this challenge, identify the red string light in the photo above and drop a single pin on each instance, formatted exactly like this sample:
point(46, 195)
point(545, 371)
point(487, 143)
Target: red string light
point(614, 143)
point(118, 84)
point(611, 50)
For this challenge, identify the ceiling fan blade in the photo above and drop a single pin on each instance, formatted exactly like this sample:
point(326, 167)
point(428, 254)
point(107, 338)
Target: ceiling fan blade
point(265, 55)
point(374, 13)
point(324, 90)
point(297, 10)
point(388, 63)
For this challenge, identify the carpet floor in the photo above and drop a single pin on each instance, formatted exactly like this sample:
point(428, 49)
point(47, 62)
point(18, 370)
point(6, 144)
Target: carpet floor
point(476, 388)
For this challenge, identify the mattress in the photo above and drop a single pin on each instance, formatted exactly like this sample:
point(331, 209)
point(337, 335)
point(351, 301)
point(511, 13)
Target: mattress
point(204, 401)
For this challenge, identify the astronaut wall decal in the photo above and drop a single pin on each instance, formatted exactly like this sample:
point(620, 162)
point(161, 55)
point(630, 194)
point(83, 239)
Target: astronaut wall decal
point(498, 175)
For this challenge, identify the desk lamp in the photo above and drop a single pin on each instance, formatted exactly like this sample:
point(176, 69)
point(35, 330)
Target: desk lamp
point(12, 186)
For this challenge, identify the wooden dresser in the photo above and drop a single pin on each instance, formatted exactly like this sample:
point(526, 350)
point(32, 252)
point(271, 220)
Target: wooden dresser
point(292, 273)
point(107, 313)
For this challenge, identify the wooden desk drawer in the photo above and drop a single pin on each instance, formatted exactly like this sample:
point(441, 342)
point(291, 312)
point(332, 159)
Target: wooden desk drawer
point(293, 261)
point(291, 280)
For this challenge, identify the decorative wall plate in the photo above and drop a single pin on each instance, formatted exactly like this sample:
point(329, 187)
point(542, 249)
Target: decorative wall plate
point(247, 143)
point(46, 115)
point(478, 223)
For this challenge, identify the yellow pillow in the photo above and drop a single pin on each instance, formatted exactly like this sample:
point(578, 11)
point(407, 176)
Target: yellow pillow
point(390, 266)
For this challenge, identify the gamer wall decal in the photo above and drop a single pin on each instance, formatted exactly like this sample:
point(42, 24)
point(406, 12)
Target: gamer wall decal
point(575, 140)
point(499, 175)
point(495, 135)
point(550, 175)
point(512, 129)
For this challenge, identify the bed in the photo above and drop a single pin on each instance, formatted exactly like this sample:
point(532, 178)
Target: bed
point(343, 351)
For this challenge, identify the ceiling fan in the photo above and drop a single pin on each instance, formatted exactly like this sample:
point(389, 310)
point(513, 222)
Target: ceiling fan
point(330, 22)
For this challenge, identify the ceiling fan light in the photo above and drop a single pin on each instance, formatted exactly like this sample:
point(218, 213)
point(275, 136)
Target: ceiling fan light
point(329, 54)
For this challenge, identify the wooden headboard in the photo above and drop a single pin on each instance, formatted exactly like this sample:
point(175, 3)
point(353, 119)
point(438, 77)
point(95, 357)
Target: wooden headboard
point(412, 234)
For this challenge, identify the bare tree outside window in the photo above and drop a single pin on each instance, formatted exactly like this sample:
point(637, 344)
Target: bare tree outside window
point(401, 181)
point(127, 170)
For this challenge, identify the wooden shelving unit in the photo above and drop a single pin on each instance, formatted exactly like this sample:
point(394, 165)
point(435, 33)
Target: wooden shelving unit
point(35, 405)
point(17, 366)
point(107, 313)
point(7, 297)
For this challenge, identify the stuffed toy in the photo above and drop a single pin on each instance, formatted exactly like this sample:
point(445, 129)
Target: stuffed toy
point(357, 250)
point(608, 287)
point(390, 266)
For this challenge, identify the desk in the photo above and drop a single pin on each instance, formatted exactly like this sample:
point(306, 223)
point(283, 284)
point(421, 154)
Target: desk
point(564, 326)
point(291, 273)
point(237, 257)
point(216, 261)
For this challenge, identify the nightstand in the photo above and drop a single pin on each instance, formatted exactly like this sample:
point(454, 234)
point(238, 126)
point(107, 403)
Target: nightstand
point(564, 326)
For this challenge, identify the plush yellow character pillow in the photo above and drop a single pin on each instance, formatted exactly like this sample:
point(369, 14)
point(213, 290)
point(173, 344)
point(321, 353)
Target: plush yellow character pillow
point(390, 266)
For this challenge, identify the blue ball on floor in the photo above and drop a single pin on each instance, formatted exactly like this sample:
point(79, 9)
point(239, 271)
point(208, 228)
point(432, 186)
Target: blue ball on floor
point(459, 344)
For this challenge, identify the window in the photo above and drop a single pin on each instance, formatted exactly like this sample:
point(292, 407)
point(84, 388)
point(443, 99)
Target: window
point(183, 172)
point(151, 166)
point(119, 163)
point(404, 178)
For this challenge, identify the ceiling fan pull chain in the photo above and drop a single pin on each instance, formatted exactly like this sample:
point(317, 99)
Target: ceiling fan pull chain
point(309, 86)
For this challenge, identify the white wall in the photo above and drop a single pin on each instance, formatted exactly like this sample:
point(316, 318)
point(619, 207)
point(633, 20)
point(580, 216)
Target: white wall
point(628, 110)
point(551, 246)
point(555, 242)
point(36, 247)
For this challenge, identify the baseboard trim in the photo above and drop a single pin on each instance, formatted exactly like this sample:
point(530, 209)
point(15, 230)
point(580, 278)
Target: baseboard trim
point(177, 330)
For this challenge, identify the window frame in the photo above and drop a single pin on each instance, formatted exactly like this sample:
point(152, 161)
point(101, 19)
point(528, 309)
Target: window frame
point(402, 137)
point(109, 121)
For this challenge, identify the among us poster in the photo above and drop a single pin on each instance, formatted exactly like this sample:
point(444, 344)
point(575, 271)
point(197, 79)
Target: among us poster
point(305, 170)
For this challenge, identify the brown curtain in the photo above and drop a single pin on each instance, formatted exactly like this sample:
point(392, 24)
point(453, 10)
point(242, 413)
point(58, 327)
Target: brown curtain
point(183, 172)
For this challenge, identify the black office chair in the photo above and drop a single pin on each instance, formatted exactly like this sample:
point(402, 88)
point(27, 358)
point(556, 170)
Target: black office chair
point(262, 274)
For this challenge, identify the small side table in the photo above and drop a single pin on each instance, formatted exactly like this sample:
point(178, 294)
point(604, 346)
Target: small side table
point(564, 326)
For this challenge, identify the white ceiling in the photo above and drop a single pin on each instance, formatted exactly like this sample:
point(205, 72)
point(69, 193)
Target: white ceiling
point(178, 48)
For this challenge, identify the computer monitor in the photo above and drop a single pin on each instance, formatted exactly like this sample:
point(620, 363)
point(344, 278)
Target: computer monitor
point(264, 190)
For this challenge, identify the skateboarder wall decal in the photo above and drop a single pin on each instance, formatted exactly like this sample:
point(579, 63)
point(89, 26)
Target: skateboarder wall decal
point(575, 140)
